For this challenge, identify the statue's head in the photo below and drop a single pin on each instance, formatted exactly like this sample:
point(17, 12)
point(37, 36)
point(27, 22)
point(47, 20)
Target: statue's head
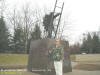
point(57, 42)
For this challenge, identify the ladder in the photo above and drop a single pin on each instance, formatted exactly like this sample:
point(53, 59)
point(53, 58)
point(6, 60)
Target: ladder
point(59, 14)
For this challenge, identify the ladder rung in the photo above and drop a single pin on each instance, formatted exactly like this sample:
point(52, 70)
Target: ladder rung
point(58, 7)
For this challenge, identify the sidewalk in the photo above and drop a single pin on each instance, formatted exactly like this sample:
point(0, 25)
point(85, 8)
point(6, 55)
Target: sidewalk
point(74, 64)
point(77, 72)
point(81, 72)
point(74, 71)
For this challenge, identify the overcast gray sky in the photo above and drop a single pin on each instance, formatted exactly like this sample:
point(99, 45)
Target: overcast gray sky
point(84, 15)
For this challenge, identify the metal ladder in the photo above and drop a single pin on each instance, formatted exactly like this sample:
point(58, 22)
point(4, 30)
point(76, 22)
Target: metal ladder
point(57, 20)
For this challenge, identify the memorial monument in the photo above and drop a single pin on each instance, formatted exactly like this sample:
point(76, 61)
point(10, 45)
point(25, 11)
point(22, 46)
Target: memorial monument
point(38, 61)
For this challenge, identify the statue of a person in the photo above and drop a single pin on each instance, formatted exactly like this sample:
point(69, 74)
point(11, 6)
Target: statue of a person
point(57, 53)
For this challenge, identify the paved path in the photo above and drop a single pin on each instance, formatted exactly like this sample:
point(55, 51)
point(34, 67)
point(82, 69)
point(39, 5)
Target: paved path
point(81, 72)
point(74, 64)
point(74, 72)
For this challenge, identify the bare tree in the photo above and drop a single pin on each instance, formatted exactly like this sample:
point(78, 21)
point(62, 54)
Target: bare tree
point(30, 18)
point(12, 18)
point(26, 21)
point(27, 18)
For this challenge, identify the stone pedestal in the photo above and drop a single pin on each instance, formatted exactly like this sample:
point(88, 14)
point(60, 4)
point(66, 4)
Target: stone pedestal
point(38, 61)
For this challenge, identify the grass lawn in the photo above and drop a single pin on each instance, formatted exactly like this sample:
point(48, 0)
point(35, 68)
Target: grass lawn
point(11, 73)
point(13, 59)
point(72, 57)
point(18, 73)
point(18, 58)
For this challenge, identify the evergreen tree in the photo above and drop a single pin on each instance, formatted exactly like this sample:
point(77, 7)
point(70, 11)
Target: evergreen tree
point(87, 44)
point(96, 43)
point(4, 36)
point(91, 44)
point(84, 47)
point(18, 40)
